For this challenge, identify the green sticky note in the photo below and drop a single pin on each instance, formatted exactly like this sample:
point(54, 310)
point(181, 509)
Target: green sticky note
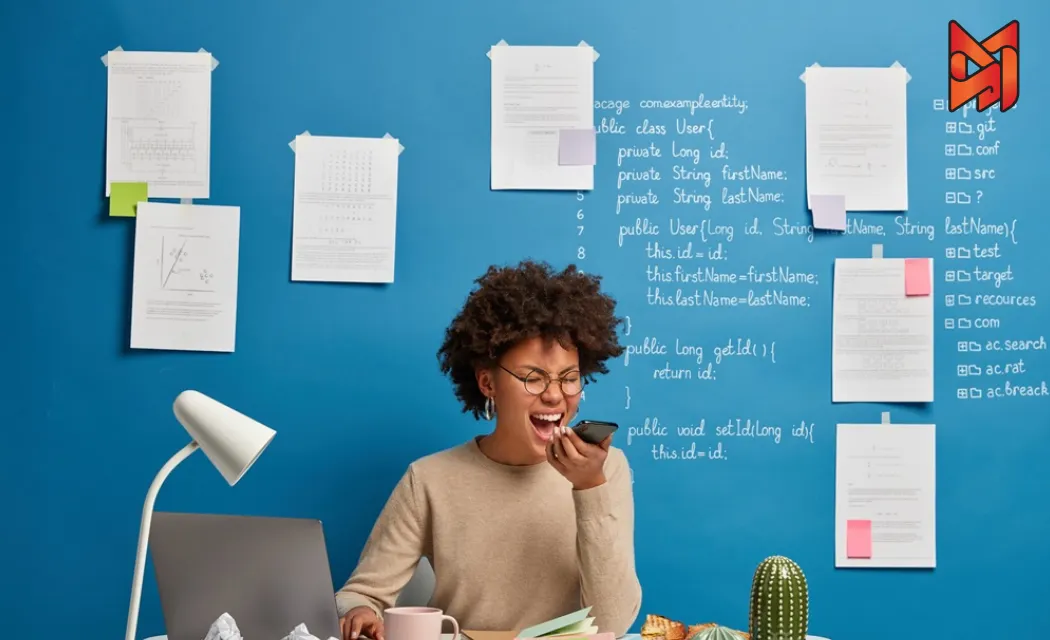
point(123, 196)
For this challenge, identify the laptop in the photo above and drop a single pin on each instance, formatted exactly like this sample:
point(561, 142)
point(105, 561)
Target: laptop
point(269, 574)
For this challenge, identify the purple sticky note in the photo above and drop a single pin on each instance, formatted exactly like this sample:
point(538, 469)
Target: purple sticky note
point(917, 276)
point(858, 538)
point(829, 212)
point(577, 147)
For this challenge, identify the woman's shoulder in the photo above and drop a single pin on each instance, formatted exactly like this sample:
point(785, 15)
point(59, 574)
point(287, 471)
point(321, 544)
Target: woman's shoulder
point(440, 463)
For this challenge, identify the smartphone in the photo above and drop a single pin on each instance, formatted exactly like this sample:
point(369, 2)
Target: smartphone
point(594, 431)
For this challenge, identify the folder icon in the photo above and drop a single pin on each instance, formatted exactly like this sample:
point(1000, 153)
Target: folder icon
point(963, 150)
point(962, 252)
point(975, 346)
point(962, 276)
point(975, 393)
point(964, 323)
point(962, 299)
point(965, 127)
point(973, 370)
point(962, 198)
point(963, 173)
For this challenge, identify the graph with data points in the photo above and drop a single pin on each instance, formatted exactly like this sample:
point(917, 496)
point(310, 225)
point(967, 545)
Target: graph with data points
point(181, 266)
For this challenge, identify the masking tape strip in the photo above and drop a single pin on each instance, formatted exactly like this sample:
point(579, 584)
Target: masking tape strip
point(400, 147)
point(876, 251)
point(584, 44)
point(503, 43)
point(214, 61)
point(803, 76)
point(895, 65)
point(291, 145)
point(105, 58)
point(885, 417)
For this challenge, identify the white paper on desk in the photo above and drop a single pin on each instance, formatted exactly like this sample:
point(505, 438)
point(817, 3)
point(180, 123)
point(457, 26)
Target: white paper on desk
point(886, 473)
point(882, 347)
point(857, 136)
point(344, 221)
point(184, 292)
point(537, 92)
point(158, 122)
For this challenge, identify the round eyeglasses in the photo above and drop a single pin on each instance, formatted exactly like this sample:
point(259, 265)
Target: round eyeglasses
point(537, 381)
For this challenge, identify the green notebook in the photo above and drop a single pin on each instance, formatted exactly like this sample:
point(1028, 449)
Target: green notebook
point(576, 623)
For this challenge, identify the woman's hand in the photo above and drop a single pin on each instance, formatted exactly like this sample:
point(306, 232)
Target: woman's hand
point(582, 463)
point(361, 621)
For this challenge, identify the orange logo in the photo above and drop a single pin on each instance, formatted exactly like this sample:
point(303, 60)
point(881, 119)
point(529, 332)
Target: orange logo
point(995, 80)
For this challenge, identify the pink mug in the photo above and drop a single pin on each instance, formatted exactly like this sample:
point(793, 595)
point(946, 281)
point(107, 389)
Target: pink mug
point(416, 623)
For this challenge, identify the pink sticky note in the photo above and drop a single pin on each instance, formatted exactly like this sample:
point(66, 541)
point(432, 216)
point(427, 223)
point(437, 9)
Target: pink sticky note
point(858, 538)
point(829, 212)
point(917, 276)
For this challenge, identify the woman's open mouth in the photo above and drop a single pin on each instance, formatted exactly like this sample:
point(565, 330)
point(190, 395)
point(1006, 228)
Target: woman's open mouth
point(545, 423)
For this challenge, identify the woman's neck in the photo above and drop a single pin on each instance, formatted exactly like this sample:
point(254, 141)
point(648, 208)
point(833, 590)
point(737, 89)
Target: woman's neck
point(499, 448)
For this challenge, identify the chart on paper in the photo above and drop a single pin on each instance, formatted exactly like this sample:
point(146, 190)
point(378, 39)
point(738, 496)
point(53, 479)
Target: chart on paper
point(149, 146)
point(178, 270)
point(159, 122)
point(345, 209)
point(184, 295)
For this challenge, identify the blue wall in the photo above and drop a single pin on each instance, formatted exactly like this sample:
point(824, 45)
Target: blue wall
point(347, 374)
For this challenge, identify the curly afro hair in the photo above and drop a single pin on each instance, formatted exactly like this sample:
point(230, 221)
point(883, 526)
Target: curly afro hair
point(512, 304)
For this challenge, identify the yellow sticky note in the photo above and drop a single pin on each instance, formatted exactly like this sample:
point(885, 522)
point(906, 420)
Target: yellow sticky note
point(123, 196)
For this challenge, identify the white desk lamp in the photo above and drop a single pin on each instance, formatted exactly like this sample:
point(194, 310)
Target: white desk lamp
point(231, 440)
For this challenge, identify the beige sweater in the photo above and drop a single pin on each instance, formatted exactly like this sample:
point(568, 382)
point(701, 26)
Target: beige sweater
point(510, 546)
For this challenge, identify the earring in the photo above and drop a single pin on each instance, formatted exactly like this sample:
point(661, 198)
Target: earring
point(490, 408)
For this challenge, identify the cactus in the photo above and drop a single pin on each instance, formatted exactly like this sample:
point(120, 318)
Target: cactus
point(718, 632)
point(779, 601)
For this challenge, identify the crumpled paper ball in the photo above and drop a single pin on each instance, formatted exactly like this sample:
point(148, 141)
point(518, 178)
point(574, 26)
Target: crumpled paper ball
point(225, 628)
point(300, 632)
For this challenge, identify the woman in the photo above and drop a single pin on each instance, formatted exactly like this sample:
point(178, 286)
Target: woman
point(528, 522)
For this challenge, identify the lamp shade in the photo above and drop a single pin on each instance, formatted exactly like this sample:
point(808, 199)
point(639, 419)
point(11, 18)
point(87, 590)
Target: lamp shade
point(230, 439)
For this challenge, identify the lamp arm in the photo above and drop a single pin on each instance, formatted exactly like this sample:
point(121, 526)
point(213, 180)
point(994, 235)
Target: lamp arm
point(147, 517)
